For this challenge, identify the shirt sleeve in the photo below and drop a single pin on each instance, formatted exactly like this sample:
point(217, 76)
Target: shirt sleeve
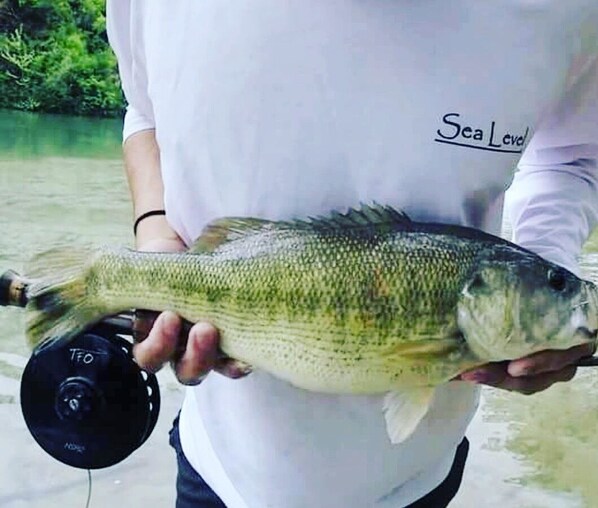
point(553, 201)
point(123, 28)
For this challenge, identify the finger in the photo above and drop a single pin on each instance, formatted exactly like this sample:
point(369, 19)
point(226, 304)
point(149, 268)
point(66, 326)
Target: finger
point(199, 356)
point(537, 383)
point(234, 369)
point(143, 324)
point(548, 361)
point(160, 344)
point(491, 373)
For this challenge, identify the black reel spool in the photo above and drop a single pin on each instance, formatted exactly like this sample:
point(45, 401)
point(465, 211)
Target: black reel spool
point(85, 400)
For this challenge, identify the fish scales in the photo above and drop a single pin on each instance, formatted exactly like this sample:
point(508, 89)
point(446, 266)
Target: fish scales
point(288, 297)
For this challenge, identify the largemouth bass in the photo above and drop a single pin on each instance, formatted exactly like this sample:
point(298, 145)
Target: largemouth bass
point(363, 302)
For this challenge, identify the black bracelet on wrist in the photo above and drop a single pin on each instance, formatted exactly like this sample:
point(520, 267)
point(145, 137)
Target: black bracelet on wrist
point(145, 215)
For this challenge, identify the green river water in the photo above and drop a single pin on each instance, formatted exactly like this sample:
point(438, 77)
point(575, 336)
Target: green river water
point(61, 180)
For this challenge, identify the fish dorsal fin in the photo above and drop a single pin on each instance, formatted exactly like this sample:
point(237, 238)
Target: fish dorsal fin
point(221, 231)
point(367, 218)
point(403, 411)
point(364, 218)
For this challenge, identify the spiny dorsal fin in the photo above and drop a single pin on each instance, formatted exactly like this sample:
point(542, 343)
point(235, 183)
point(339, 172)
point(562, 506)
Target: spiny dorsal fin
point(367, 217)
point(221, 231)
point(364, 219)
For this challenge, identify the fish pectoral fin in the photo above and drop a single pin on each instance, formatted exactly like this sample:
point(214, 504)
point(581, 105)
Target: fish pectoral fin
point(426, 348)
point(404, 411)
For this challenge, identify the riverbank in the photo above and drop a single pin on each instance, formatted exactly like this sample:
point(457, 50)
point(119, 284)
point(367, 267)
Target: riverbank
point(29, 478)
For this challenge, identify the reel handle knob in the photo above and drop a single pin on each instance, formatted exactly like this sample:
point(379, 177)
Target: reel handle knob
point(13, 289)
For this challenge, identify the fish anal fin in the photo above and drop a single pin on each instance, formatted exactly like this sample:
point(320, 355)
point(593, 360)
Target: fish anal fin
point(221, 231)
point(403, 411)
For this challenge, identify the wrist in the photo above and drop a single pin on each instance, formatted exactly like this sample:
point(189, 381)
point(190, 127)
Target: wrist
point(153, 228)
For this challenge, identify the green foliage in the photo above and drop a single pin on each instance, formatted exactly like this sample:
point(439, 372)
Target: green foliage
point(54, 57)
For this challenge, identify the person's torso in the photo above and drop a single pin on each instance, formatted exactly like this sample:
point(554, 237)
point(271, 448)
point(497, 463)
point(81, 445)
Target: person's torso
point(280, 109)
point(287, 108)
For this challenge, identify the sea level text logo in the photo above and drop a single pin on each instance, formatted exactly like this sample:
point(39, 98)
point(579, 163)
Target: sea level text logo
point(491, 137)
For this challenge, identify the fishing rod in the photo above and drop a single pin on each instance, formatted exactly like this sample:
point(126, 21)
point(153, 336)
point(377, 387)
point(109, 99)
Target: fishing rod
point(85, 401)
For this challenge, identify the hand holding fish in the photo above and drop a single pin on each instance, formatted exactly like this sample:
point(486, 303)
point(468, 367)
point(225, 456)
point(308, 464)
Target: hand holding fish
point(533, 373)
point(192, 349)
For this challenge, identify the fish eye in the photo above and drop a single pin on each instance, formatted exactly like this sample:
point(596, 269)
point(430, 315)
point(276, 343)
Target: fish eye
point(557, 279)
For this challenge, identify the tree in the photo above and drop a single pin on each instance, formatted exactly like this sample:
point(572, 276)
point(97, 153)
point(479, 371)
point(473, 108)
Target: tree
point(54, 57)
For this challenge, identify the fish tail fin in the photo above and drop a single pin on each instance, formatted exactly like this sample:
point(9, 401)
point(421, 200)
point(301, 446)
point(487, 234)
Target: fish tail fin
point(60, 302)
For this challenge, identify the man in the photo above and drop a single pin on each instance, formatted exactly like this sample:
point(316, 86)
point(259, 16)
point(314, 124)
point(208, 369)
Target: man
point(278, 109)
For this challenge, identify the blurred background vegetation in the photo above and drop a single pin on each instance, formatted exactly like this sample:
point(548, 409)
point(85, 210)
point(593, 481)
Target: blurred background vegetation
point(55, 58)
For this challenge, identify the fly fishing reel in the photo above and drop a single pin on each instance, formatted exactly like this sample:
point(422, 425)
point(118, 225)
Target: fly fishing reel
point(85, 400)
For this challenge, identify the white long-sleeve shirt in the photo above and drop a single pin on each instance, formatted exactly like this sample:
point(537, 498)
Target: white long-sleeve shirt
point(278, 108)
